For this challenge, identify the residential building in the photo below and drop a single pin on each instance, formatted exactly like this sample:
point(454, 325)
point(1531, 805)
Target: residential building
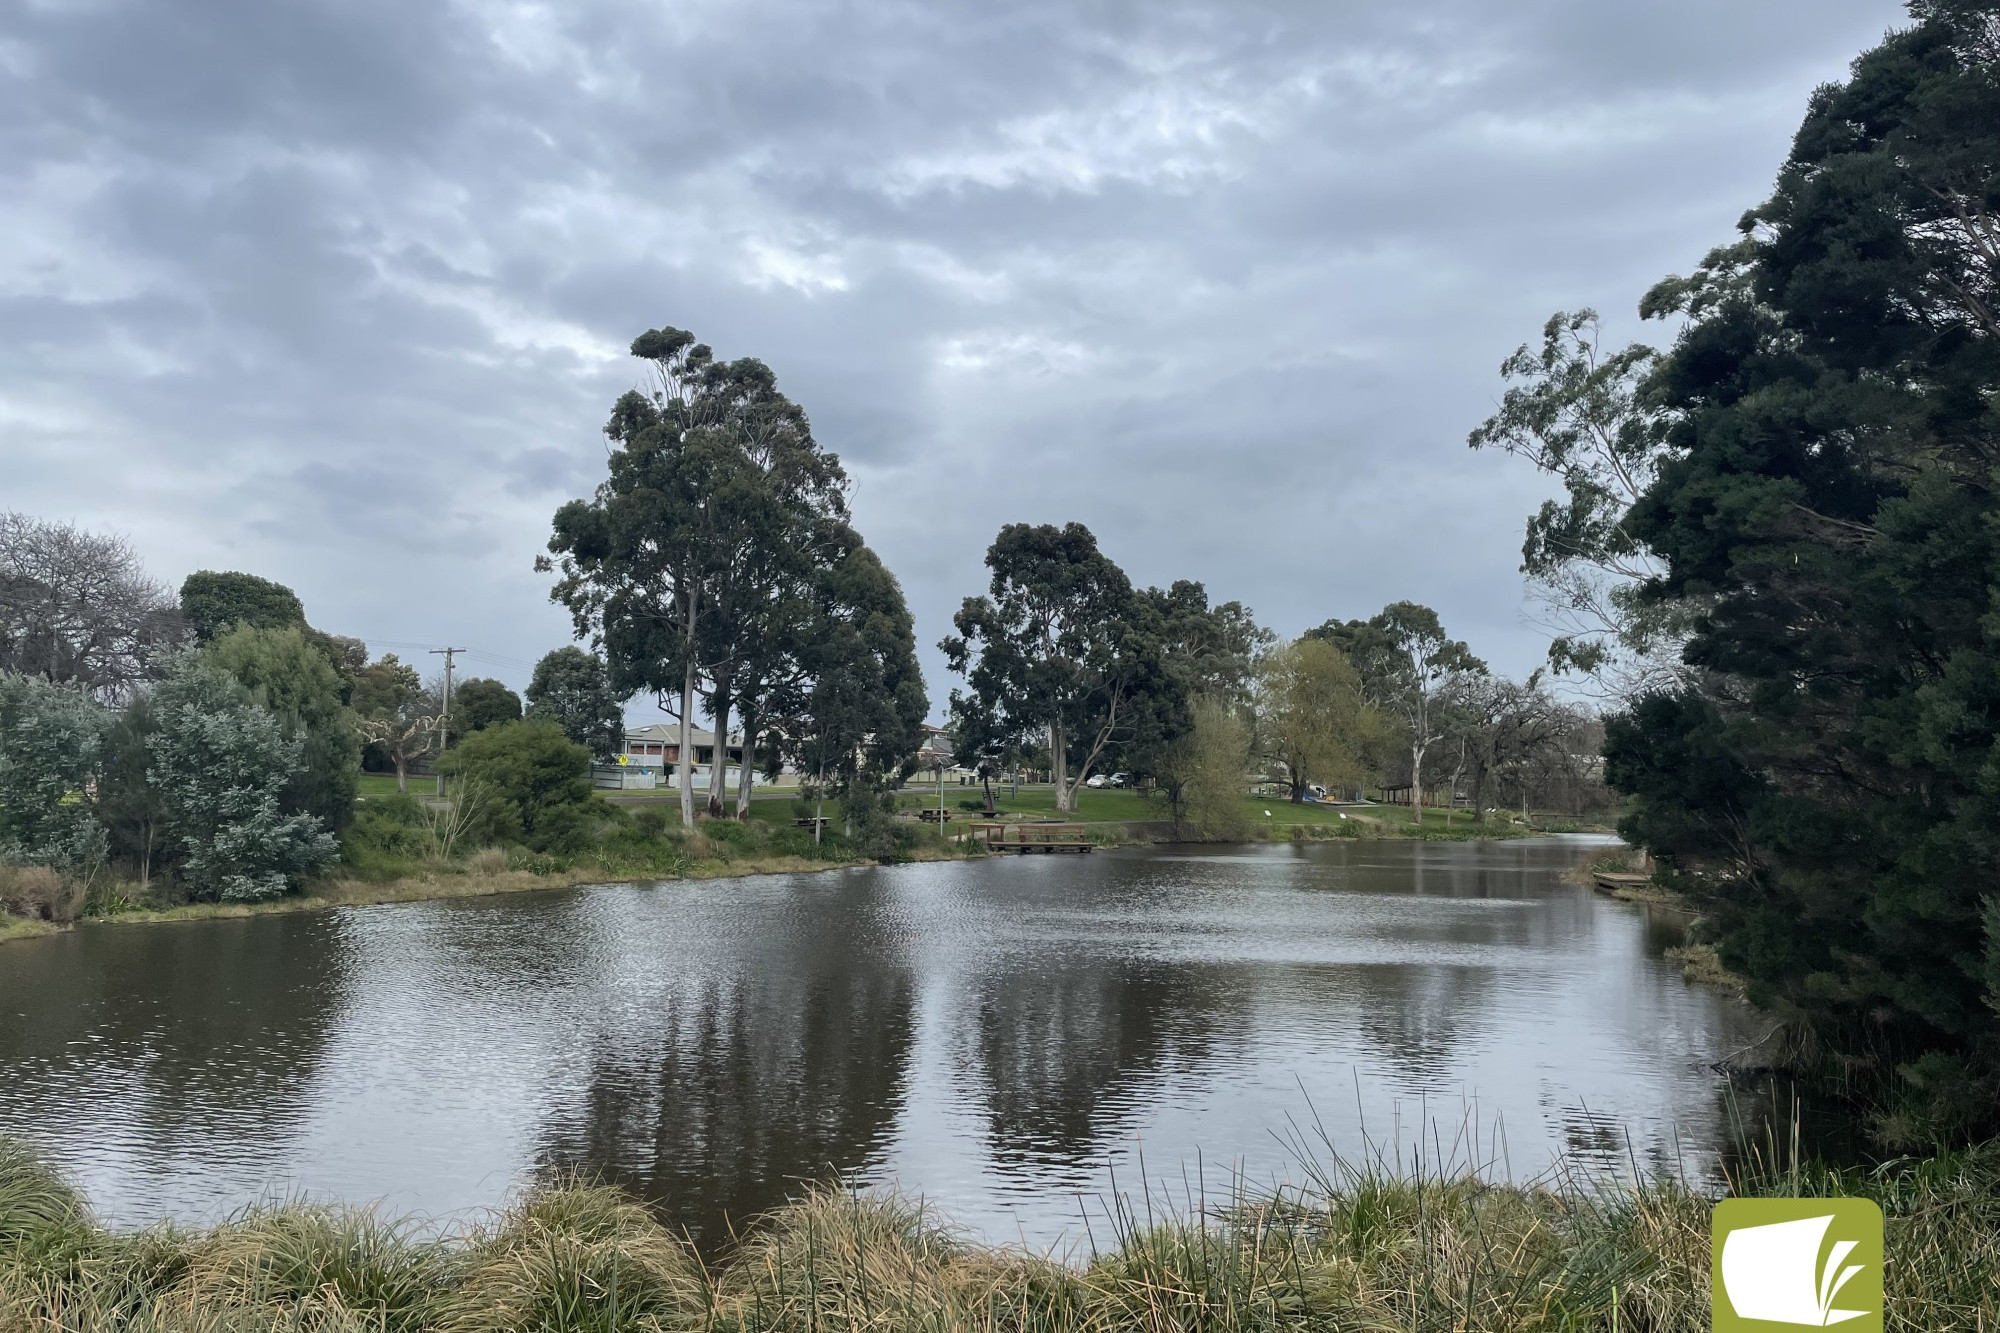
point(659, 746)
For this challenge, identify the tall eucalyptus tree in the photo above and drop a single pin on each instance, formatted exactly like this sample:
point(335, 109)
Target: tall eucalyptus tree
point(718, 507)
point(1061, 645)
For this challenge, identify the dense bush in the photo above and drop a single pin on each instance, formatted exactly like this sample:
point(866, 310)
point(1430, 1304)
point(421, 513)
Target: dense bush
point(572, 689)
point(479, 704)
point(868, 823)
point(535, 786)
point(291, 678)
point(388, 838)
point(50, 739)
point(1827, 774)
point(220, 764)
point(215, 602)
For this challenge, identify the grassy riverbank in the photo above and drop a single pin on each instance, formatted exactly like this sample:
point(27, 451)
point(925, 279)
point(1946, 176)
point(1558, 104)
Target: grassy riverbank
point(724, 851)
point(395, 870)
point(16, 928)
point(468, 883)
point(1269, 818)
point(1356, 1251)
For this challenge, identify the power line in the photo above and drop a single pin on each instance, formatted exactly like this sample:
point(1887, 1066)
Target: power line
point(482, 654)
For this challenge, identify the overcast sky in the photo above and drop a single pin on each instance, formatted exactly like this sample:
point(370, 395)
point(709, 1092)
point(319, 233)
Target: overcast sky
point(339, 292)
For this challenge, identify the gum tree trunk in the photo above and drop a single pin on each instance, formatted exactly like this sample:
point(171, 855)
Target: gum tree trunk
point(718, 773)
point(743, 774)
point(684, 760)
point(1059, 768)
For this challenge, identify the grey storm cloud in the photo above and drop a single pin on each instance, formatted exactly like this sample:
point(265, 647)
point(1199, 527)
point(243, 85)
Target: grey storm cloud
point(339, 292)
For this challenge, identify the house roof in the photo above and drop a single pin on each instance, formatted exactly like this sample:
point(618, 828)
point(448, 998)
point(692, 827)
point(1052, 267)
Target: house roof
point(670, 732)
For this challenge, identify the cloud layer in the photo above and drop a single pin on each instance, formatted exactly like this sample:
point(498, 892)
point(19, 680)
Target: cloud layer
point(337, 291)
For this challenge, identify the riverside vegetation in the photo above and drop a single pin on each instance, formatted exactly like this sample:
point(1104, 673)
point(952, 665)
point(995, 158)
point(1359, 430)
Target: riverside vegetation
point(1354, 1248)
point(1775, 556)
point(1775, 553)
point(400, 850)
point(205, 752)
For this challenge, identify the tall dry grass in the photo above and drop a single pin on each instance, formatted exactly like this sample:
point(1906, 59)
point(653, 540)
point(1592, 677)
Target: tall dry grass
point(1355, 1249)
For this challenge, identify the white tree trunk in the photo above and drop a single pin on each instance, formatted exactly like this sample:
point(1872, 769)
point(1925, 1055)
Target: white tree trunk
point(1058, 768)
point(1417, 785)
point(684, 760)
point(718, 772)
point(743, 780)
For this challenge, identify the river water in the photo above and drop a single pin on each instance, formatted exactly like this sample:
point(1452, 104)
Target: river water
point(1013, 1037)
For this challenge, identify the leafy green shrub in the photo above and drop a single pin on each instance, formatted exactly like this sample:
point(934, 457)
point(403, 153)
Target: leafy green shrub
point(789, 841)
point(388, 838)
point(536, 783)
point(50, 739)
point(535, 863)
point(649, 823)
point(221, 765)
point(291, 678)
point(728, 832)
point(867, 819)
point(110, 896)
point(564, 830)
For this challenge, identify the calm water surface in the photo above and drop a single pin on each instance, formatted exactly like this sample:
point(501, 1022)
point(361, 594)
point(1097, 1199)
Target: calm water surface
point(1001, 1035)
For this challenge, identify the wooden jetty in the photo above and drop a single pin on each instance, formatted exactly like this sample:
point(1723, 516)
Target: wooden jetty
point(1612, 883)
point(1025, 838)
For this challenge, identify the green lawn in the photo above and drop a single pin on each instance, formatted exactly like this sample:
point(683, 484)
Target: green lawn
point(1095, 805)
point(1106, 805)
point(377, 785)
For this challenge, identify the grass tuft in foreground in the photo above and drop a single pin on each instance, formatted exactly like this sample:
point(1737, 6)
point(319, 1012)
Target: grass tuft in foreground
point(1356, 1250)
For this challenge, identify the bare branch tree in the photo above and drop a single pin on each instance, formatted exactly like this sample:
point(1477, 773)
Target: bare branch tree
point(77, 608)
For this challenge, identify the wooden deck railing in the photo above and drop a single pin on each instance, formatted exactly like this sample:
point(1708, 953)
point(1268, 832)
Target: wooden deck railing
point(1003, 837)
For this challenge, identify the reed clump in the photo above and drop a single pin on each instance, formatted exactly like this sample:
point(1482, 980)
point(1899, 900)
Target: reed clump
point(1353, 1250)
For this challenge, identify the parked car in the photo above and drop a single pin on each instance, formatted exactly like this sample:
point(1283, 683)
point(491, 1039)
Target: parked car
point(1094, 780)
point(1120, 780)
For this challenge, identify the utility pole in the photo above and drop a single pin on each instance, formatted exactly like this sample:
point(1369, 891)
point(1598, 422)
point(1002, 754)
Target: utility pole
point(444, 720)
